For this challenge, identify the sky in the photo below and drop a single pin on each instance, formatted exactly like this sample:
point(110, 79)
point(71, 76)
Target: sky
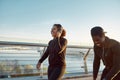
point(32, 20)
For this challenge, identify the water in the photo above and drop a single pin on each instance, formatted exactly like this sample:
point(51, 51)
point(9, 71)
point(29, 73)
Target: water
point(17, 61)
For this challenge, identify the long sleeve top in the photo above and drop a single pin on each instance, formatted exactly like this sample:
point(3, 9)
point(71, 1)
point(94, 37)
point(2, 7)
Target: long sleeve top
point(110, 58)
point(55, 52)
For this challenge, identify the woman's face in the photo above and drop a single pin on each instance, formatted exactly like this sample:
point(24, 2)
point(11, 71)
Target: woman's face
point(54, 32)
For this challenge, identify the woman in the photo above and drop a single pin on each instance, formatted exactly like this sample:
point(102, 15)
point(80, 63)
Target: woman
point(56, 52)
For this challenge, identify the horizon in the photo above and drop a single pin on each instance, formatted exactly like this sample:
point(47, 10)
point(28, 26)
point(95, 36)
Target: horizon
point(32, 20)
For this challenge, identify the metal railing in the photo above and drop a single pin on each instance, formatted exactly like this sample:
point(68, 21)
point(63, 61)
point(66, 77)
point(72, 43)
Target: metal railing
point(18, 58)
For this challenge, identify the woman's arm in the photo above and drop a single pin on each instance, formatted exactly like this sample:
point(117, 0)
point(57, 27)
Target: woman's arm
point(62, 45)
point(45, 55)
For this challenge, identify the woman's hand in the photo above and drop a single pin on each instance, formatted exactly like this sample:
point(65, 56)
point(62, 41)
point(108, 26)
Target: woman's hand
point(38, 66)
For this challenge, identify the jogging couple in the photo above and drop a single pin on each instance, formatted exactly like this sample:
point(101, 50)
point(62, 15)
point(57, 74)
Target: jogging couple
point(105, 49)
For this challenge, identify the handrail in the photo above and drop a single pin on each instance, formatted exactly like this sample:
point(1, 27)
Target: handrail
point(10, 43)
point(39, 44)
point(22, 44)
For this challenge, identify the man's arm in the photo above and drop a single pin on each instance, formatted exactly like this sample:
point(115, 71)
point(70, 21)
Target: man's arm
point(116, 63)
point(96, 64)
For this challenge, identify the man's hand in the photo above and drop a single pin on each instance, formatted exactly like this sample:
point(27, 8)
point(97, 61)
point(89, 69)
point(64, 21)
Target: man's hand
point(38, 65)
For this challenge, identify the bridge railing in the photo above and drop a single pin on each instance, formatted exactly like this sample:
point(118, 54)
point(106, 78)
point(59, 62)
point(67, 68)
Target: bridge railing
point(20, 59)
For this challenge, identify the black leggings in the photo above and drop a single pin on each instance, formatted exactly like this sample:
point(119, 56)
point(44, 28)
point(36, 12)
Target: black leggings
point(106, 71)
point(55, 73)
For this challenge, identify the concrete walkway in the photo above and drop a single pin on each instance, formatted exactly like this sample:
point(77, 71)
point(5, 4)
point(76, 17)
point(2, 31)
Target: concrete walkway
point(85, 78)
point(38, 78)
point(75, 76)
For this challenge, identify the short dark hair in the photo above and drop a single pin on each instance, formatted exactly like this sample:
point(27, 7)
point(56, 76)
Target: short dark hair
point(97, 31)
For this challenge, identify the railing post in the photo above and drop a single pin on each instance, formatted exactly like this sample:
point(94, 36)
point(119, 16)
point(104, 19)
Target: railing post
point(85, 63)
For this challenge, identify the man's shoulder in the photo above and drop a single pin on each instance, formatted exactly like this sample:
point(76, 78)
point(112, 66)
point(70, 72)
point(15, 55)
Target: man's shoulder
point(97, 49)
point(113, 43)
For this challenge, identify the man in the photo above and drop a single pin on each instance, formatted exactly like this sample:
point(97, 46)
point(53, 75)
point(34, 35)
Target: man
point(107, 50)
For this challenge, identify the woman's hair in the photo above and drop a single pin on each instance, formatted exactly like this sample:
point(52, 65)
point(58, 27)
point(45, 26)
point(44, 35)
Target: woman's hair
point(60, 29)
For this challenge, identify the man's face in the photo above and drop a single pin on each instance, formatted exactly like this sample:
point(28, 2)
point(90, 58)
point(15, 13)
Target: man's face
point(98, 40)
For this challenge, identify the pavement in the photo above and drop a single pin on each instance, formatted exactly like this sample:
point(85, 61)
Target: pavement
point(73, 76)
